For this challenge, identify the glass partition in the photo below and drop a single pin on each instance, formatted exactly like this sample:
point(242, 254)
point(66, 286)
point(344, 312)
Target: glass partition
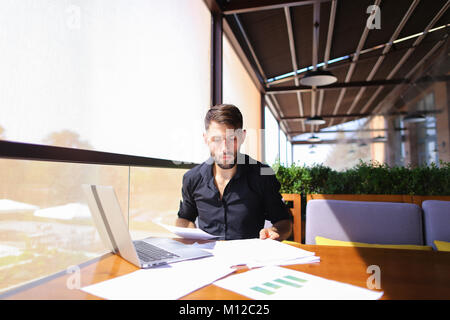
point(271, 137)
point(155, 195)
point(45, 223)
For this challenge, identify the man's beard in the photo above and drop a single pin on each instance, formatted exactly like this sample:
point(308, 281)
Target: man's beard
point(228, 165)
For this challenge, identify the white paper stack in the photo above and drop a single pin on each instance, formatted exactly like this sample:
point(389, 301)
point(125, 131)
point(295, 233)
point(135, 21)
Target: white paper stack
point(258, 253)
point(166, 282)
point(188, 233)
point(276, 283)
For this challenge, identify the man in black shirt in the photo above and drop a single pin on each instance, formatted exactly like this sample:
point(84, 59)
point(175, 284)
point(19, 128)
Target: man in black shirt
point(231, 193)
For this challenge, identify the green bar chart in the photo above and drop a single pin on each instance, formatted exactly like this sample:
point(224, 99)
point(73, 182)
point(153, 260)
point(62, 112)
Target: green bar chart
point(270, 287)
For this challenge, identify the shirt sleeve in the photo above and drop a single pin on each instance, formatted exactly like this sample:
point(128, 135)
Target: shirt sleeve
point(188, 208)
point(275, 208)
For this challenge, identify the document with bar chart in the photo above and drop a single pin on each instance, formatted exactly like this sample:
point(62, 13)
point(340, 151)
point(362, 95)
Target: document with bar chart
point(277, 283)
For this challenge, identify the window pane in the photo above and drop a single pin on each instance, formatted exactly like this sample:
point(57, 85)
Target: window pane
point(289, 153)
point(282, 148)
point(270, 137)
point(106, 73)
point(155, 195)
point(426, 137)
point(45, 223)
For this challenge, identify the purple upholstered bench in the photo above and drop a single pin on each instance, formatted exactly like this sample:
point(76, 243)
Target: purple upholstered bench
point(436, 221)
point(360, 221)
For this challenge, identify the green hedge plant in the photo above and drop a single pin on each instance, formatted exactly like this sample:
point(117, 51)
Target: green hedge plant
point(365, 178)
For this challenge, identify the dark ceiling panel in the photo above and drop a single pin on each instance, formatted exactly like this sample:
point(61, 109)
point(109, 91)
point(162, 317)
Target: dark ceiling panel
point(384, 92)
point(329, 101)
point(288, 104)
point(351, 18)
point(391, 14)
point(340, 72)
point(347, 100)
point(307, 103)
point(422, 16)
point(363, 69)
point(419, 53)
point(368, 93)
point(302, 26)
point(267, 32)
point(445, 19)
point(325, 10)
point(389, 63)
point(302, 21)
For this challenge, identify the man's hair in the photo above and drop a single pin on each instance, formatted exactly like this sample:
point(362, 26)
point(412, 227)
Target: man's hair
point(224, 114)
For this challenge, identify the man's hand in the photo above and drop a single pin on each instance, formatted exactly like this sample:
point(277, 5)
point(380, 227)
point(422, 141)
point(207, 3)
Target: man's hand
point(269, 233)
point(184, 223)
point(280, 231)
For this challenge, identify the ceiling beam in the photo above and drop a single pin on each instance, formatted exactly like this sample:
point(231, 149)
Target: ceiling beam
point(350, 131)
point(250, 47)
point(348, 61)
point(361, 115)
point(382, 56)
point(408, 54)
point(245, 6)
point(327, 50)
point(332, 116)
point(355, 58)
point(315, 54)
point(329, 141)
point(287, 14)
point(357, 84)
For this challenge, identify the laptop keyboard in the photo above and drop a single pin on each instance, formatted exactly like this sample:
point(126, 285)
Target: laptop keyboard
point(147, 252)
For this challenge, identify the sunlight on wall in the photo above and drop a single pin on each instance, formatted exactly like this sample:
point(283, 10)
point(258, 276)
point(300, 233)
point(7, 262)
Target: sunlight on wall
point(239, 89)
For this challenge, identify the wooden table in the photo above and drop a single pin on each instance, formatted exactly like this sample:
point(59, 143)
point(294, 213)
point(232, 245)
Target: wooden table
point(405, 274)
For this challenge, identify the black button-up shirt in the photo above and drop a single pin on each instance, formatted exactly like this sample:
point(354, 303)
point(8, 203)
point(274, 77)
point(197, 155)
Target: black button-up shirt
point(250, 197)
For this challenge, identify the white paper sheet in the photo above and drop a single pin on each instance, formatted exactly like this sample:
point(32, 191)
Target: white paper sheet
point(256, 252)
point(163, 283)
point(276, 283)
point(188, 233)
point(288, 262)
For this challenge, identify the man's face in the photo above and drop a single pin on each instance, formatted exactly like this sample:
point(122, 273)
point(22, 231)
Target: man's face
point(224, 143)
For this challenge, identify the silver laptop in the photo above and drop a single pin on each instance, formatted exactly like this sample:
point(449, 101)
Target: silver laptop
point(113, 230)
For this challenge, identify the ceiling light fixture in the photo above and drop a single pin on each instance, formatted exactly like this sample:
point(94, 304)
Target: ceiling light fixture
point(362, 144)
point(313, 138)
point(318, 78)
point(414, 118)
point(316, 120)
point(380, 139)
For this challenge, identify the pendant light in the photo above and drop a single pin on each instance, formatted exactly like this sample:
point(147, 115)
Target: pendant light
point(318, 78)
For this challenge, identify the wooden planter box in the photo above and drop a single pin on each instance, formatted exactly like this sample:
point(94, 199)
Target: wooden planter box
point(362, 197)
point(294, 202)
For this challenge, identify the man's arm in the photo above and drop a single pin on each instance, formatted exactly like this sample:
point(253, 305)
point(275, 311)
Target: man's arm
point(280, 231)
point(188, 208)
point(275, 209)
point(184, 223)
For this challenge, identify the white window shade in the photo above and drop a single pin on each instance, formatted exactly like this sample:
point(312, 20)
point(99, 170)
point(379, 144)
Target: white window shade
point(120, 76)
